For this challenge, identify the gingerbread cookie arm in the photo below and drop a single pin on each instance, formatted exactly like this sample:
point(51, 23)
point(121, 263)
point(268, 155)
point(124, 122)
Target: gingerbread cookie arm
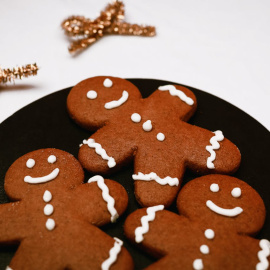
point(209, 152)
point(148, 228)
point(100, 201)
point(106, 150)
point(13, 225)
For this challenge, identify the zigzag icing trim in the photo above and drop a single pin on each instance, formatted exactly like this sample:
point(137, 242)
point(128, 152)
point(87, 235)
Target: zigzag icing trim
point(113, 253)
point(176, 92)
point(153, 176)
point(105, 195)
point(151, 214)
point(214, 146)
point(263, 254)
point(100, 151)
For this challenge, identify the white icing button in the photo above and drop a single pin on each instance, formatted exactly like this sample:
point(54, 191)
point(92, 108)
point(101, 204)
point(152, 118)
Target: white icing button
point(30, 163)
point(214, 187)
point(47, 196)
point(136, 118)
point(51, 158)
point(147, 126)
point(50, 224)
point(48, 209)
point(209, 234)
point(161, 137)
point(204, 249)
point(107, 83)
point(198, 264)
point(91, 94)
point(236, 192)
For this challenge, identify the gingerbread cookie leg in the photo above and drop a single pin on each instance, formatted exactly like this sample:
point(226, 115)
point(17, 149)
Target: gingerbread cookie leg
point(210, 152)
point(95, 250)
point(28, 258)
point(157, 181)
point(103, 152)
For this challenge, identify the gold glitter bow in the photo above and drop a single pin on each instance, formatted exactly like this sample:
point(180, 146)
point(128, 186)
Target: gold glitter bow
point(8, 75)
point(110, 21)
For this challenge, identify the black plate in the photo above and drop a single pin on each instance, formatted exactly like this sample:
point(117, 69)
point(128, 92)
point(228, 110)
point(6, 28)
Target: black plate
point(45, 123)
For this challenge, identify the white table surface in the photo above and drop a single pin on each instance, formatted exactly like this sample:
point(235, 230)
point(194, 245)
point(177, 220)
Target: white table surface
point(221, 47)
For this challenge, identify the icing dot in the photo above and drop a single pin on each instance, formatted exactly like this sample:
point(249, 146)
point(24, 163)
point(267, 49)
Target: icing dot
point(30, 163)
point(204, 249)
point(47, 196)
point(161, 137)
point(51, 159)
point(136, 118)
point(147, 126)
point(236, 192)
point(198, 264)
point(50, 224)
point(48, 209)
point(209, 234)
point(214, 187)
point(107, 83)
point(91, 94)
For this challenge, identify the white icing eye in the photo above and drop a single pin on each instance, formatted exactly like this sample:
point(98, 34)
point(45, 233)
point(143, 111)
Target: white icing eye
point(236, 192)
point(136, 118)
point(30, 163)
point(91, 94)
point(214, 187)
point(51, 159)
point(107, 83)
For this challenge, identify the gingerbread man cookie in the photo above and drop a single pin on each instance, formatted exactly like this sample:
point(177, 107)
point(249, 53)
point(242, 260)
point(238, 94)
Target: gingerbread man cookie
point(151, 131)
point(218, 217)
point(54, 216)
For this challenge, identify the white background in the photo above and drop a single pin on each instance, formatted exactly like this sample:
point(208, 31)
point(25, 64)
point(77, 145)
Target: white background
point(221, 47)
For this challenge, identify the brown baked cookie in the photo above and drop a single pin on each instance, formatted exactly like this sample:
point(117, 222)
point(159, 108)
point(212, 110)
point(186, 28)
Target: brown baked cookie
point(218, 217)
point(55, 216)
point(151, 131)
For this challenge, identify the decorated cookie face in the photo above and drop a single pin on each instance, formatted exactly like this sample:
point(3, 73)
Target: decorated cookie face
point(150, 131)
point(103, 94)
point(52, 207)
point(222, 199)
point(41, 169)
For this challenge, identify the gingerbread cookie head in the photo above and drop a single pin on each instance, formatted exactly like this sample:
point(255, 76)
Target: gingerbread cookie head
point(95, 101)
point(222, 201)
point(41, 169)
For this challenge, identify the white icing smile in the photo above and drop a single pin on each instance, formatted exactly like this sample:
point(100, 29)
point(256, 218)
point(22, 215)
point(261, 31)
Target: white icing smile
point(222, 211)
point(116, 103)
point(42, 179)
